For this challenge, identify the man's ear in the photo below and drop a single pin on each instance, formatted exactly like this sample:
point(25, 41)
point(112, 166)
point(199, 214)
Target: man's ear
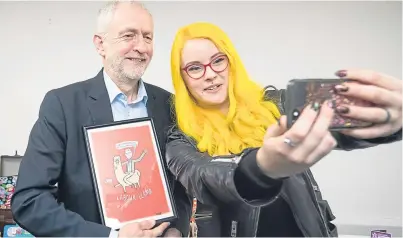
point(99, 44)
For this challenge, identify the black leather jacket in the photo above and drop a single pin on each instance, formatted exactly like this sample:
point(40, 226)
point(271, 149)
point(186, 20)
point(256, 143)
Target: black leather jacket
point(213, 182)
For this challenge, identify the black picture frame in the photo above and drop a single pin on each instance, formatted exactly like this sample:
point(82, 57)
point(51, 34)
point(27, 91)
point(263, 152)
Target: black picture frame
point(97, 176)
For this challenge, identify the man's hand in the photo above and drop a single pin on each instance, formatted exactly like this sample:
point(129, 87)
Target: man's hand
point(142, 229)
point(172, 232)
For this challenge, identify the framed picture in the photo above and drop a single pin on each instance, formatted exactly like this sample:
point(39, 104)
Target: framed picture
point(128, 173)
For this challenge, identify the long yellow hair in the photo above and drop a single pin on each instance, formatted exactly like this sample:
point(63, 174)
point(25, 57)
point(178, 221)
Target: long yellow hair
point(248, 116)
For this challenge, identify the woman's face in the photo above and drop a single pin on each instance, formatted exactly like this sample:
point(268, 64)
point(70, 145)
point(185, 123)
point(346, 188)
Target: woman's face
point(205, 72)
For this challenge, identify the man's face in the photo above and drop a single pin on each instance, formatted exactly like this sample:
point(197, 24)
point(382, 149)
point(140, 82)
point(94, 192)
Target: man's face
point(128, 153)
point(128, 44)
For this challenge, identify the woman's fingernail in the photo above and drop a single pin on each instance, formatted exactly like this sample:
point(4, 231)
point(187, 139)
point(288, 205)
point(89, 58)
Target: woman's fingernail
point(342, 109)
point(315, 106)
point(331, 103)
point(341, 73)
point(340, 88)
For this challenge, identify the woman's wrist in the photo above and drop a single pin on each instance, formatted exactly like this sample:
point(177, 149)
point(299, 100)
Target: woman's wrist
point(265, 165)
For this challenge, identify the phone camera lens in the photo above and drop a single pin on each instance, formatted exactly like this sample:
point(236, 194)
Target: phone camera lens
point(295, 115)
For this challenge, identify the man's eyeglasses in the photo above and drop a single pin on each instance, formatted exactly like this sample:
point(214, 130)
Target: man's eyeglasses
point(218, 64)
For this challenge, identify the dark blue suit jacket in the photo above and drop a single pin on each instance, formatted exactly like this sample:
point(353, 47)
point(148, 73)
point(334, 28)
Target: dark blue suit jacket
point(56, 153)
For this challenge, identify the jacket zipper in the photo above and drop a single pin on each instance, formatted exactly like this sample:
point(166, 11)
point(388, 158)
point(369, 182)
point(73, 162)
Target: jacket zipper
point(299, 224)
point(257, 216)
point(202, 216)
point(310, 187)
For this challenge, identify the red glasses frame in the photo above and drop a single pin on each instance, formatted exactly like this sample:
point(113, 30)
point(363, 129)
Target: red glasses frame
point(207, 65)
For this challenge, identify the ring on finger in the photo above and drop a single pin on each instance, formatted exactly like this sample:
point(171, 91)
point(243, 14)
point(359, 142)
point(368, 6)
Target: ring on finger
point(387, 119)
point(289, 142)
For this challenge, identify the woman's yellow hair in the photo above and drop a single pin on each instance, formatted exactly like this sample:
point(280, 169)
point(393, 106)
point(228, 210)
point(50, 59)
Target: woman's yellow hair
point(248, 116)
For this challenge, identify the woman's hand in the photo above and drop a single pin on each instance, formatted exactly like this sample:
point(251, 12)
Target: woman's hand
point(380, 89)
point(287, 152)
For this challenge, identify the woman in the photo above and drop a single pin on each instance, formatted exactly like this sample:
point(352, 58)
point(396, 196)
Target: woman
point(231, 149)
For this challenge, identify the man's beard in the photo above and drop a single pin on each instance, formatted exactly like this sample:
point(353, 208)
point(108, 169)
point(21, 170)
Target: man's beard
point(125, 73)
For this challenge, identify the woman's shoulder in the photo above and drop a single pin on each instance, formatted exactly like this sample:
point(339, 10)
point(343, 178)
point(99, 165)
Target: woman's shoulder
point(271, 93)
point(174, 133)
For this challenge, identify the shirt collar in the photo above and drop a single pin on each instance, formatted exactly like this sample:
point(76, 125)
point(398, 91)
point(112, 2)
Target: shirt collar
point(114, 92)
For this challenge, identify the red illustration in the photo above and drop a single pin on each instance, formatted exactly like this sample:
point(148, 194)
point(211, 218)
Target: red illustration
point(129, 174)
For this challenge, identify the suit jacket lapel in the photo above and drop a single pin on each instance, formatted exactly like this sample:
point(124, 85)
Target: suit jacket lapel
point(154, 112)
point(99, 104)
point(152, 100)
point(98, 101)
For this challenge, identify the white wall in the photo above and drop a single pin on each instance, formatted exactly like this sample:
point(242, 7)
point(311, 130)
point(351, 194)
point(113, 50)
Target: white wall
point(49, 44)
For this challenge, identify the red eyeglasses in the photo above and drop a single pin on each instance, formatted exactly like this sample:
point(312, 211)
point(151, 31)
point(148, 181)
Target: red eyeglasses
point(197, 70)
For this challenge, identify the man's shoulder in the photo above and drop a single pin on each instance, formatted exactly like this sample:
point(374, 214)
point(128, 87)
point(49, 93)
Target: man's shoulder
point(73, 89)
point(69, 97)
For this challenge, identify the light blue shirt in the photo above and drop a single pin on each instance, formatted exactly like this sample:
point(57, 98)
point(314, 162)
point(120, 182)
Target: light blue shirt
point(121, 109)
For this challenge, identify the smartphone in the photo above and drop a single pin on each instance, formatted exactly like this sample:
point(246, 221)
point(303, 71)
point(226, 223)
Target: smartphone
point(303, 92)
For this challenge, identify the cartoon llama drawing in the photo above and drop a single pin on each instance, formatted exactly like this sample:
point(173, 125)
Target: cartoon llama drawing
point(119, 174)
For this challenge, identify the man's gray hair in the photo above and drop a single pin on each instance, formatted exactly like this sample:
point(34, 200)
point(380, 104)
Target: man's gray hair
point(105, 14)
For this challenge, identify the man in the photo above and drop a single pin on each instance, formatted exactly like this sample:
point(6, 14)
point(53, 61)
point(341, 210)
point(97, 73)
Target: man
point(56, 152)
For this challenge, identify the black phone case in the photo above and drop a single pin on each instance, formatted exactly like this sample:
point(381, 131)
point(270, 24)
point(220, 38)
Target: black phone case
point(303, 92)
